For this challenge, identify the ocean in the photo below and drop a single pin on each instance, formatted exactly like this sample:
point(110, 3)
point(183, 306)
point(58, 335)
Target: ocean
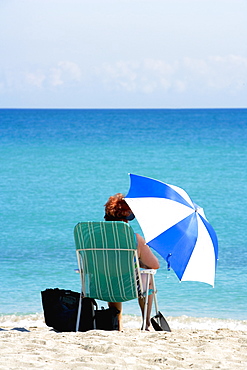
point(59, 167)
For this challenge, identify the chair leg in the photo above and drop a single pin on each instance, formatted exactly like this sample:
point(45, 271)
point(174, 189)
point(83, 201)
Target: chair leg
point(78, 313)
point(155, 296)
point(146, 303)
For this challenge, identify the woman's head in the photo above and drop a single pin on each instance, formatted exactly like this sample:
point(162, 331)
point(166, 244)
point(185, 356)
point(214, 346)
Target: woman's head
point(116, 209)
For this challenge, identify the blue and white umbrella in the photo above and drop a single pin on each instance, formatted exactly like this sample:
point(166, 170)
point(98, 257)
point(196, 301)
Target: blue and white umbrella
point(175, 227)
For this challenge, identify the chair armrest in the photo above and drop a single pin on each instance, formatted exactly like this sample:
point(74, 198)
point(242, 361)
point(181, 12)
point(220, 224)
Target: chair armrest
point(148, 271)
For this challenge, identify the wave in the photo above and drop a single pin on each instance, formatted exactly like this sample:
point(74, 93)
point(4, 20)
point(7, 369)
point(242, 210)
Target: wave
point(31, 320)
point(133, 321)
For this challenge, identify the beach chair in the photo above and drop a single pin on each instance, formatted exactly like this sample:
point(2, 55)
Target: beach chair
point(108, 264)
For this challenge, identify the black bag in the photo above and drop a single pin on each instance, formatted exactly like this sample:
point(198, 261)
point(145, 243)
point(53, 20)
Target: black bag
point(61, 307)
point(159, 323)
point(87, 318)
point(107, 319)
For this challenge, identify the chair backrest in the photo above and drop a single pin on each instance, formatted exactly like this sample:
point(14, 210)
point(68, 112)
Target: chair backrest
point(107, 260)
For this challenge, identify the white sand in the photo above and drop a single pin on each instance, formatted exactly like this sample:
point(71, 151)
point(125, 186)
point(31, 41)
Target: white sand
point(41, 347)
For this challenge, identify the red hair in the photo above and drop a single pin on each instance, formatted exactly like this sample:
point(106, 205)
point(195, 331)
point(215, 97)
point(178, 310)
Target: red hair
point(116, 209)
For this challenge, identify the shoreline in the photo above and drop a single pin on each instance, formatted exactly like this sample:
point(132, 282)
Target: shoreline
point(133, 322)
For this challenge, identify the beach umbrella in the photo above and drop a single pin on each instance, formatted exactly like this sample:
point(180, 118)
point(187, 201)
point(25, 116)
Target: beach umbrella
point(175, 227)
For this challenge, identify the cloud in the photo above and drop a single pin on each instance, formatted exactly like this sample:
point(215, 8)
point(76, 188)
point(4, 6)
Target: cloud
point(65, 72)
point(35, 78)
point(135, 76)
point(230, 71)
point(191, 76)
point(72, 69)
point(29, 78)
point(187, 74)
point(121, 75)
point(217, 73)
point(55, 77)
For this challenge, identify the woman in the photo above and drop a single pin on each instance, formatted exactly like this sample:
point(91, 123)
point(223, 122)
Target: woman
point(116, 209)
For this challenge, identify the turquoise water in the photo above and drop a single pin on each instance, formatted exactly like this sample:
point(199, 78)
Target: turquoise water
point(58, 167)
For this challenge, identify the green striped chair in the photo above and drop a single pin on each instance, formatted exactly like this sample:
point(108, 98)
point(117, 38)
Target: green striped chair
point(108, 262)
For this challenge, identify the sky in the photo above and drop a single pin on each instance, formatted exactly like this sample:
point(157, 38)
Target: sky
point(123, 54)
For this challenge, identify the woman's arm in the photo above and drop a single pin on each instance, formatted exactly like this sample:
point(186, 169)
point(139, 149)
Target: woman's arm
point(146, 256)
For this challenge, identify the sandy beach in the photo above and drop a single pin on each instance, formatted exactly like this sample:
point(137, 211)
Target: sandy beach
point(41, 347)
